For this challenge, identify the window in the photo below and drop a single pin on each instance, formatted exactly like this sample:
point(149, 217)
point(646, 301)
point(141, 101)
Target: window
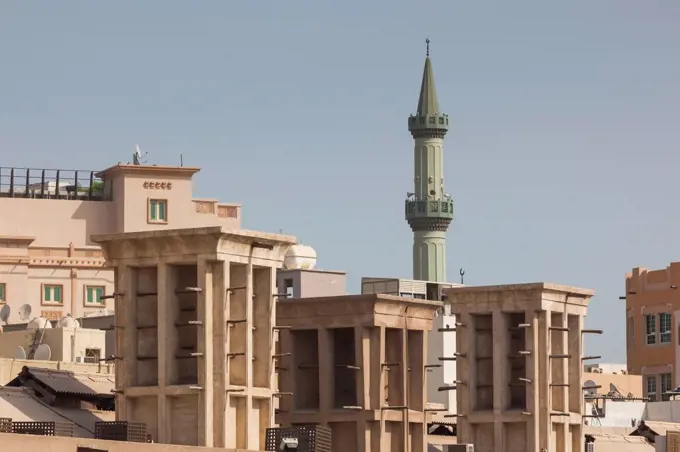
point(666, 385)
point(3, 292)
point(650, 385)
point(53, 294)
point(92, 355)
point(288, 287)
point(650, 328)
point(664, 328)
point(93, 295)
point(158, 210)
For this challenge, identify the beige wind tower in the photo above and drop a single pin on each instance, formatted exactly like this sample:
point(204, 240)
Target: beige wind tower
point(357, 364)
point(195, 311)
point(519, 360)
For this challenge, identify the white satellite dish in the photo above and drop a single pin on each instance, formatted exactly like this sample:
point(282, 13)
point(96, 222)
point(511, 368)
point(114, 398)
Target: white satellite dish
point(20, 353)
point(4, 314)
point(25, 311)
point(43, 353)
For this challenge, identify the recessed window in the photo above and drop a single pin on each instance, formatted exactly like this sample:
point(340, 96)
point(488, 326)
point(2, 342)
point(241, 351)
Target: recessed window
point(158, 211)
point(650, 328)
point(92, 355)
point(432, 120)
point(289, 288)
point(53, 294)
point(441, 120)
point(93, 295)
point(3, 292)
point(666, 385)
point(650, 383)
point(664, 328)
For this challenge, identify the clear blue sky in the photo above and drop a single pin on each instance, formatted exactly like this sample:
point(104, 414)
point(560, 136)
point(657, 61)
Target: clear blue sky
point(563, 157)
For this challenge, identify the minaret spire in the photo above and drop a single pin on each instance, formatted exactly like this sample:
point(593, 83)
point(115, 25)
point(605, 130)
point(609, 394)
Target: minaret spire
point(429, 210)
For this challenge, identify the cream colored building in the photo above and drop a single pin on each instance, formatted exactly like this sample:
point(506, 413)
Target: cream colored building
point(195, 325)
point(519, 358)
point(47, 259)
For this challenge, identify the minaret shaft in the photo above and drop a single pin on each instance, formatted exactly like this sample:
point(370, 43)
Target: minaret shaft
point(429, 209)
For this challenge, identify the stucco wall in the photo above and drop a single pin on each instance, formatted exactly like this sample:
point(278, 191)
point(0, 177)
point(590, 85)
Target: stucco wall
point(59, 340)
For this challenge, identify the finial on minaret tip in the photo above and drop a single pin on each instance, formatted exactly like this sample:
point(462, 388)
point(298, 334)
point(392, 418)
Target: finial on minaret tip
point(427, 44)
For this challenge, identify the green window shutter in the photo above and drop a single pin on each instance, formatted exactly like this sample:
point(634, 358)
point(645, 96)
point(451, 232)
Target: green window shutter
point(57, 293)
point(2, 292)
point(89, 294)
point(100, 294)
point(152, 209)
point(161, 210)
point(47, 293)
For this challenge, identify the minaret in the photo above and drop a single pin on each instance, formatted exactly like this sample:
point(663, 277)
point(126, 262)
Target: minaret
point(429, 209)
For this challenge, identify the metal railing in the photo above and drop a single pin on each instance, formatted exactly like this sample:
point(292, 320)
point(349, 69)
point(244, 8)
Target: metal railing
point(50, 184)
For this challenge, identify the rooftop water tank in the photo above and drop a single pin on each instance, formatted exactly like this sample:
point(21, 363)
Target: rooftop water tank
point(299, 257)
point(38, 323)
point(68, 322)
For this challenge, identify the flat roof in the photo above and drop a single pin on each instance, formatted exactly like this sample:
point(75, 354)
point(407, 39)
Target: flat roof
point(362, 297)
point(148, 169)
point(524, 286)
point(253, 236)
point(312, 270)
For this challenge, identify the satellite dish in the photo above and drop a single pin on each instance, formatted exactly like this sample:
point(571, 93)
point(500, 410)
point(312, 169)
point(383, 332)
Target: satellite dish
point(4, 314)
point(25, 311)
point(20, 353)
point(43, 353)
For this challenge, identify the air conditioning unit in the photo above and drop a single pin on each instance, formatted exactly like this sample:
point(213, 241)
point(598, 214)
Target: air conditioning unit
point(590, 447)
point(460, 448)
point(80, 359)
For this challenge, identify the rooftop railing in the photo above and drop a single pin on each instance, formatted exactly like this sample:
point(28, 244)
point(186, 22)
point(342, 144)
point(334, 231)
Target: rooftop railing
point(50, 184)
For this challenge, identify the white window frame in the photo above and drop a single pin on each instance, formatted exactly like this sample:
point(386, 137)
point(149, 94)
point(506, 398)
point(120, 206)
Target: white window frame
point(651, 395)
point(94, 303)
point(650, 333)
point(665, 329)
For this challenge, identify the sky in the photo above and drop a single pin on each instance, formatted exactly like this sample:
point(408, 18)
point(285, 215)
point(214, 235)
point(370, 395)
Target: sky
point(562, 157)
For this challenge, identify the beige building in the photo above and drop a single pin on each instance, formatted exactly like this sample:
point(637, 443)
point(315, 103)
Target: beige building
point(653, 328)
point(356, 364)
point(519, 360)
point(47, 260)
point(195, 312)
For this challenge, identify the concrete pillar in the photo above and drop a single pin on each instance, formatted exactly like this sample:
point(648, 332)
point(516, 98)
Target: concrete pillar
point(501, 377)
point(326, 374)
point(220, 309)
point(545, 399)
point(167, 303)
point(204, 313)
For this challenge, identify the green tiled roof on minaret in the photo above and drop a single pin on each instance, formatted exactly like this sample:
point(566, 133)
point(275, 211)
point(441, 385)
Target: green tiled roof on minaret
point(428, 103)
point(429, 209)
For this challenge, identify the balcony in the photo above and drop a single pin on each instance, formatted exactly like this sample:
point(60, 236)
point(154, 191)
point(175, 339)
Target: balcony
point(50, 184)
point(429, 209)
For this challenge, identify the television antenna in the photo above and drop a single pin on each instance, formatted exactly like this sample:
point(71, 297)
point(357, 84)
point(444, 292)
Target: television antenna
point(4, 314)
point(25, 312)
point(137, 156)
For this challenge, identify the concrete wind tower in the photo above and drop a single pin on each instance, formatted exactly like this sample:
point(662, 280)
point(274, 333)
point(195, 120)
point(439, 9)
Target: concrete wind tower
point(429, 209)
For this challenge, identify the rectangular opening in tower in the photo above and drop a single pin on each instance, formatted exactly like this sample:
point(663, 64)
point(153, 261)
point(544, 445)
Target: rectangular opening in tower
point(237, 324)
point(184, 360)
point(517, 364)
point(394, 346)
point(306, 369)
point(416, 374)
point(262, 328)
point(559, 362)
point(146, 323)
point(344, 368)
point(483, 346)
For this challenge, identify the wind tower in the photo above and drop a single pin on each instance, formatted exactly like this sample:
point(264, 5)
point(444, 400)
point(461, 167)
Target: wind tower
point(429, 209)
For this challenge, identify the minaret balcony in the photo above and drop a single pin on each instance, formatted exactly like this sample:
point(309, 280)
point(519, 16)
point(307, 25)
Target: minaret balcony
point(429, 209)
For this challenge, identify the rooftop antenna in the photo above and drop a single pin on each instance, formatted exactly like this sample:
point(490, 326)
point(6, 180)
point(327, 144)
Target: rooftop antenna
point(462, 274)
point(137, 156)
point(427, 47)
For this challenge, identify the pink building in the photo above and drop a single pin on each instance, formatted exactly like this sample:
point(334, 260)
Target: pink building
point(47, 217)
